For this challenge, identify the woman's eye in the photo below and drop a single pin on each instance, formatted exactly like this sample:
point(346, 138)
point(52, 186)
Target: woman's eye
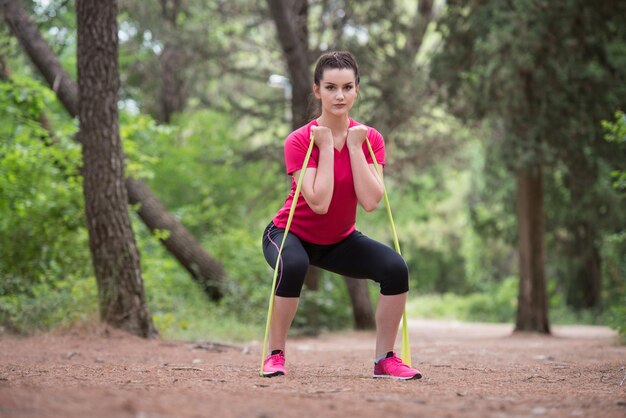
point(330, 87)
point(348, 88)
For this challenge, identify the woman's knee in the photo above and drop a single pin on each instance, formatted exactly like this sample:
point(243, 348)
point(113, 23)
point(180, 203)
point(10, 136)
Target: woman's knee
point(395, 276)
point(292, 273)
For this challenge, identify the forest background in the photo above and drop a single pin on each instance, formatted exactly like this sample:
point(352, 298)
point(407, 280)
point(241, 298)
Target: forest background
point(478, 103)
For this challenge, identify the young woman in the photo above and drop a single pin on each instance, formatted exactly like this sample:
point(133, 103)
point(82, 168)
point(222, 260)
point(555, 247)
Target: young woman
point(340, 174)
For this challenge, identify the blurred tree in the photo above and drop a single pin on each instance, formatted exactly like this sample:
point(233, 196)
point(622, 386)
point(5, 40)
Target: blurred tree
point(111, 240)
point(362, 312)
point(291, 21)
point(545, 74)
point(172, 95)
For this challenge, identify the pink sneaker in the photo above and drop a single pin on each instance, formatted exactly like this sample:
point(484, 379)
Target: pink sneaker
point(274, 364)
point(393, 368)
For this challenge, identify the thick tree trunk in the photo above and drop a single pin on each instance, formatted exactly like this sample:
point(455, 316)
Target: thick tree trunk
point(532, 306)
point(361, 303)
point(113, 249)
point(191, 255)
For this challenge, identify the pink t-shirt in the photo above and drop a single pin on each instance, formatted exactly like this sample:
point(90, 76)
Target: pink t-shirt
point(339, 221)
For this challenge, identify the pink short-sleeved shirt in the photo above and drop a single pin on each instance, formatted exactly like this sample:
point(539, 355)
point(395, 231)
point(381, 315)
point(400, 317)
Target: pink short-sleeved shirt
point(340, 220)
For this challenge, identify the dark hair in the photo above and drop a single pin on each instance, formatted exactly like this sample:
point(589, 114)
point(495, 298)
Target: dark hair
point(335, 59)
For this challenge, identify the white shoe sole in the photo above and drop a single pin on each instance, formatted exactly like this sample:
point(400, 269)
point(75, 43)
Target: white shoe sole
point(386, 376)
point(272, 374)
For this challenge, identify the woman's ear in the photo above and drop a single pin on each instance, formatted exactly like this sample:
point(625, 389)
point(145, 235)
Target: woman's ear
point(316, 91)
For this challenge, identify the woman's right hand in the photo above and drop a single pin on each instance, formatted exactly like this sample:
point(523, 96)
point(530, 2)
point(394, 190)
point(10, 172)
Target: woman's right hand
point(322, 136)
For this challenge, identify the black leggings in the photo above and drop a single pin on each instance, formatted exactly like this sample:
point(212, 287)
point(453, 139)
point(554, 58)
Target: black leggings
point(356, 256)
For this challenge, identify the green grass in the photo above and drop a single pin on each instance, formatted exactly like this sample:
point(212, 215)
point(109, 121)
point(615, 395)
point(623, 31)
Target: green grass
point(210, 324)
point(499, 305)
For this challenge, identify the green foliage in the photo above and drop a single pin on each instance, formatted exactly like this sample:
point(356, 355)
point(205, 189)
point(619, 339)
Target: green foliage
point(44, 262)
point(496, 303)
point(617, 320)
point(203, 173)
point(615, 245)
point(615, 132)
point(137, 133)
point(179, 307)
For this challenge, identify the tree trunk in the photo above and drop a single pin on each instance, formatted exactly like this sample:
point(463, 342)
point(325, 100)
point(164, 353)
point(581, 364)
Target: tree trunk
point(172, 96)
point(532, 306)
point(4, 69)
point(312, 313)
point(312, 278)
point(584, 290)
point(172, 90)
point(112, 243)
point(586, 283)
point(290, 19)
point(191, 255)
point(361, 303)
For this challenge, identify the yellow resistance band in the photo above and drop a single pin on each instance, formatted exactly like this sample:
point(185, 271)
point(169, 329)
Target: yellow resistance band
point(406, 350)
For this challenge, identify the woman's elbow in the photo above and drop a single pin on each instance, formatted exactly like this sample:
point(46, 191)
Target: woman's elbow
point(370, 206)
point(320, 209)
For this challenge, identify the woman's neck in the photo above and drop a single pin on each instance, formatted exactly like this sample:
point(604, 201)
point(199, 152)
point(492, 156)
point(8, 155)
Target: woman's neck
point(338, 125)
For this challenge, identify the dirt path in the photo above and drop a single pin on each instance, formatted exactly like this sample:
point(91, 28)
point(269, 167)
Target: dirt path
point(470, 370)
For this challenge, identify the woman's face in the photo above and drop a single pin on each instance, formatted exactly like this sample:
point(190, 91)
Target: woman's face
point(337, 91)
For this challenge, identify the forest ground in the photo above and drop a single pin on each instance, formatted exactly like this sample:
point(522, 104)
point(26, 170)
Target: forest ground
point(470, 370)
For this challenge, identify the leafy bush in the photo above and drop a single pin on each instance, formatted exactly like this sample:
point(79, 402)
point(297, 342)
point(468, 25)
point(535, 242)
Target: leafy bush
point(44, 262)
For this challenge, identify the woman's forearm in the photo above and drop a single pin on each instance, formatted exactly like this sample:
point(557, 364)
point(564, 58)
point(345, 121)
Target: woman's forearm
point(318, 184)
point(367, 184)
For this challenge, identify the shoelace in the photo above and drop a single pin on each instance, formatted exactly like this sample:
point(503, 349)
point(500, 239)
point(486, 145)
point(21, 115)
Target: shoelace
point(397, 363)
point(277, 358)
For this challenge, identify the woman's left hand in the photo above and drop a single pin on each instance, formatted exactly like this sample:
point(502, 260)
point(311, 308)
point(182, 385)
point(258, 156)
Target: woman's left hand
point(356, 136)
